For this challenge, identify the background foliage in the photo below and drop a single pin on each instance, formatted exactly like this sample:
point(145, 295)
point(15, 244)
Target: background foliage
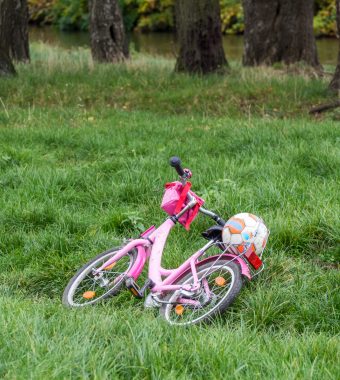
point(67, 14)
point(325, 19)
point(158, 15)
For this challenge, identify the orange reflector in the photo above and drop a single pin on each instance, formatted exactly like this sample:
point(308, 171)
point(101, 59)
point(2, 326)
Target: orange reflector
point(220, 281)
point(179, 309)
point(109, 267)
point(89, 294)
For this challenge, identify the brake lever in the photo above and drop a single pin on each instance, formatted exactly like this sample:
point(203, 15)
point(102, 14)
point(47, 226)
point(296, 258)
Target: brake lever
point(188, 173)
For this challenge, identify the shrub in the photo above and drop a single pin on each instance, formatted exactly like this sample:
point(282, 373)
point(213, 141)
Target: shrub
point(325, 18)
point(232, 17)
point(71, 14)
point(40, 11)
point(67, 14)
point(155, 15)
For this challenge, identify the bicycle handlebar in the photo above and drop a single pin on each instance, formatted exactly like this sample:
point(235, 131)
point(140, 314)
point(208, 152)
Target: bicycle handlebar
point(175, 162)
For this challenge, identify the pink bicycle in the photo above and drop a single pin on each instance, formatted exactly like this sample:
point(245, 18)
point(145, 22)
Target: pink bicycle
point(199, 289)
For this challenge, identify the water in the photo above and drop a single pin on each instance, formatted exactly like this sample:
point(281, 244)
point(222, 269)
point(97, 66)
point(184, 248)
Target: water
point(164, 44)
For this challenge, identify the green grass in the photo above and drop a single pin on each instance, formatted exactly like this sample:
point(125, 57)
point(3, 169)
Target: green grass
point(83, 158)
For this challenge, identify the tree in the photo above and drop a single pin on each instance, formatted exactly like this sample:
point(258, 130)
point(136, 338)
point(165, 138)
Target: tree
point(200, 38)
point(14, 29)
point(108, 41)
point(6, 65)
point(335, 83)
point(279, 31)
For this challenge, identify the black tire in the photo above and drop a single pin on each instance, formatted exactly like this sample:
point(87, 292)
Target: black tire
point(211, 310)
point(86, 269)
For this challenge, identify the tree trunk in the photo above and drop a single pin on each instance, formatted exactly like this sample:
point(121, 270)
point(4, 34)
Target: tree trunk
point(14, 29)
point(335, 83)
point(108, 42)
point(279, 31)
point(200, 37)
point(6, 66)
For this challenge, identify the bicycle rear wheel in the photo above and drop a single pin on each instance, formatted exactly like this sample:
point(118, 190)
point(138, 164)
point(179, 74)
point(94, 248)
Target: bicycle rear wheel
point(86, 289)
point(221, 282)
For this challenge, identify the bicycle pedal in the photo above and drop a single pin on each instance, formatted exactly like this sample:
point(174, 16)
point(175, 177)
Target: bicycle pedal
point(133, 287)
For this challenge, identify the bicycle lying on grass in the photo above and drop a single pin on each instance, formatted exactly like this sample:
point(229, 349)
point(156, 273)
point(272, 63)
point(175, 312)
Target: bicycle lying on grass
point(200, 288)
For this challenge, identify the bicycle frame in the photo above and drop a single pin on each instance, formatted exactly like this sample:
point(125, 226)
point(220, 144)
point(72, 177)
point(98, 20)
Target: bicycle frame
point(150, 246)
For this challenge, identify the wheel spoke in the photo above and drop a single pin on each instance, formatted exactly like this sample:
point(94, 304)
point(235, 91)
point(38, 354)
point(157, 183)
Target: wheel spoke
point(212, 294)
point(87, 282)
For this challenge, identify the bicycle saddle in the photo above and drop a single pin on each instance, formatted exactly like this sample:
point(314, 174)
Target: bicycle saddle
point(213, 233)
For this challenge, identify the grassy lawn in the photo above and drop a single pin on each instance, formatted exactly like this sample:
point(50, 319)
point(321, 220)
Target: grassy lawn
point(83, 158)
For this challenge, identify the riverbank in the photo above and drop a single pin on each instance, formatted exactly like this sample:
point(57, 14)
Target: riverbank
point(164, 44)
point(84, 156)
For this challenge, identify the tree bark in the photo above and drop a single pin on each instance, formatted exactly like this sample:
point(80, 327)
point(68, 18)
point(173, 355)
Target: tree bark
point(200, 36)
point(108, 40)
point(335, 83)
point(279, 31)
point(14, 29)
point(6, 65)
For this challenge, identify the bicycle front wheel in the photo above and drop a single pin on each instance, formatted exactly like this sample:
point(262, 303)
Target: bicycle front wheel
point(86, 289)
point(221, 281)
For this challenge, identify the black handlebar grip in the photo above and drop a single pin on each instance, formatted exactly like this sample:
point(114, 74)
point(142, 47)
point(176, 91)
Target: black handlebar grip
point(175, 162)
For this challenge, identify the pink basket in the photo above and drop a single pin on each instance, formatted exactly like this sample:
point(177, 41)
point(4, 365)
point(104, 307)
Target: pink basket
point(174, 200)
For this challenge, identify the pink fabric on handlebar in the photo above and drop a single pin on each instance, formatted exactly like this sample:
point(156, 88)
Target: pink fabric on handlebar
point(175, 198)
